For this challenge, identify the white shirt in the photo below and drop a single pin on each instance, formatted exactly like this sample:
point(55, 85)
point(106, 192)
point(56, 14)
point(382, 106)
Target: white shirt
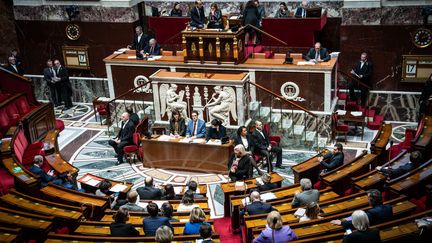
point(139, 37)
point(262, 134)
point(14, 66)
point(245, 142)
point(361, 64)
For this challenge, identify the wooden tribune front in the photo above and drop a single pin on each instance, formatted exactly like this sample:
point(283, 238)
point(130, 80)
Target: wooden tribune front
point(213, 46)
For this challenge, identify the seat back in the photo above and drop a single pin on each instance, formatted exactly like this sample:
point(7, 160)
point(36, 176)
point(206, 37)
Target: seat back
point(22, 105)
point(4, 121)
point(12, 111)
point(20, 144)
point(136, 138)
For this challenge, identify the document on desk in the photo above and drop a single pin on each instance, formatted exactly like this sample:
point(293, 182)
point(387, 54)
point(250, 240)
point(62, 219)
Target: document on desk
point(198, 140)
point(306, 63)
point(259, 181)
point(341, 112)
point(92, 182)
point(118, 188)
point(121, 51)
point(214, 142)
point(185, 140)
point(131, 57)
point(356, 113)
point(268, 196)
point(164, 138)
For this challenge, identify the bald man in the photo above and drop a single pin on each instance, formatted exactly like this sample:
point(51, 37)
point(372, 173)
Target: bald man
point(152, 49)
point(257, 206)
point(124, 137)
point(149, 191)
point(317, 54)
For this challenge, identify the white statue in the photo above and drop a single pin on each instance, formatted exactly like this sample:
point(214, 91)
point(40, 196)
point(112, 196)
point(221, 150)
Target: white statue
point(223, 102)
point(197, 97)
point(171, 101)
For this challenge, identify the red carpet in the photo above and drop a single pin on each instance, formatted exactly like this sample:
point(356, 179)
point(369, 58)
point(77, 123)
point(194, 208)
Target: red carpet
point(223, 227)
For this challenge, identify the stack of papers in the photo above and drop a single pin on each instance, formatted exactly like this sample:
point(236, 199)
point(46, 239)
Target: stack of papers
point(259, 181)
point(305, 63)
point(246, 201)
point(300, 212)
point(198, 140)
point(268, 196)
point(341, 112)
point(131, 57)
point(356, 113)
point(185, 140)
point(90, 181)
point(118, 188)
point(121, 51)
point(240, 186)
point(214, 142)
point(164, 138)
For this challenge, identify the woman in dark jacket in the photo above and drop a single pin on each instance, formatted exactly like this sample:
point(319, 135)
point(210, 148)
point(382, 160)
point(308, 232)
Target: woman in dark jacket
point(245, 139)
point(177, 124)
point(239, 165)
point(250, 16)
point(176, 11)
point(215, 17)
point(119, 227)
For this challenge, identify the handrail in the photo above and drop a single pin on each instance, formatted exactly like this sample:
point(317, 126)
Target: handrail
point(267, 34)
point(130, 90)
point(355, 78)
point(284, 99)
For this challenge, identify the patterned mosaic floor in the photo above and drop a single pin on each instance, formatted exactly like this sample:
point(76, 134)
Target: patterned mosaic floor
point(84, 142)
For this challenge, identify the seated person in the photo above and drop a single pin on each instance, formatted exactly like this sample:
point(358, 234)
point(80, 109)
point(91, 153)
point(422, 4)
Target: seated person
point(275, 231)
point(282, 12)
point(196, 127)
point(197, 15)
point(215, 17)
point(133, 116)
point(152, 49)
point(187, 203)
point(360, 221)
point(206, 233)
point(104, 191)
point(268, 185)
point(257, 206)
point(119, 227)
point(312, 212)
point(131, 205)
point(193, 186)
point(168, 193)
point(301, 10)
point(177, 124)
point(306, 196)
point(196, 219)
point(216, 131)
point(176, 11)
point(263, 146)
point(378, 214)
point(154, 221)
point(68, 181)
point(149, 191)
point(167, 211)
point(244, 138)
point(123, 138)
point(45, 178)
point(415, 162)
point(333, 160)
point(164, 234)
point(239, 164)
point(317, 54)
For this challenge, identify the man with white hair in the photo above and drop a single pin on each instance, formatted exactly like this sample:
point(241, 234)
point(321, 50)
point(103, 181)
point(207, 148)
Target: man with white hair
point(124, 137)
point(360, 221)
point(152, 49)
point(45, 177)
point(306, 196)
point(14, 66)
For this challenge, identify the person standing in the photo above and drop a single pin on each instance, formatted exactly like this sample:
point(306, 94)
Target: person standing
point(140, 40)
point(124, 137)
point(197, 15)
point(49, 78)
point(14, 66)
point(64, 86)
point(363, 71)
point(263, 146)
point(250, 17)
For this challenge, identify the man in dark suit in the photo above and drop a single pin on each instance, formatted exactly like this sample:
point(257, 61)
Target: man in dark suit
point(149, 191)
point(45, 178)
point(152, 223)
point(193, 187)
point(197, 15)
point(301, 10)
point(152, 49)
point(415, 162)
point(140, 40)
point(363, 71)
point(333, 160)
point(63, 84)
point(14, 66)
point(124, 137)
point(206, 233)
point(196, 127)
point(49, 79)
point(317, 54)
point(133, 116)
point(264, 147)
point(257, 206)
point(378, 214)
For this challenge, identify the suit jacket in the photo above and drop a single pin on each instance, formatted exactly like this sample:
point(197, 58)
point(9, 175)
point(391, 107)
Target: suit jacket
point(334, 160)
point(45, 178)
point(139, 45)
point(369, 235)
point(63, 74)
point(126, 132)
point(243, 167)
point(197, 18)
point(305, 197)
point(148, 192)
point(48, 75)
point(212, 133)
point(181, 128)
point(376, 215)
point(298, 12)
point(250, 140)
point(156, 50)
point(267, 186)
point(366, 70)
point(201, 128)
point(324, 55)
point(134, 118)
point(123, 230)
point(19, 70)
point(258, 208)
point(260, 142)
point(151, 224)
point(132, 207)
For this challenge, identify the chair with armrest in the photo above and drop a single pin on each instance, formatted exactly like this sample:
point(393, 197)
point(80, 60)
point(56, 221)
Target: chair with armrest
point(338, 128)
point(131, 151)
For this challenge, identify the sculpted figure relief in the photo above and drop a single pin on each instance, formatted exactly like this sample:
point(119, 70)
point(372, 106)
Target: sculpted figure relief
point(222, 102)
point(171, 101)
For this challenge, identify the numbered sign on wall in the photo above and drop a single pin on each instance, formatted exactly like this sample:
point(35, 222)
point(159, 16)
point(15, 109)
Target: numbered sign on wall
point(416, 68)
point(76, 57)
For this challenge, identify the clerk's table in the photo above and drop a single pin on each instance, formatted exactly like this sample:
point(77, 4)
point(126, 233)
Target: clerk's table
point(175, 153)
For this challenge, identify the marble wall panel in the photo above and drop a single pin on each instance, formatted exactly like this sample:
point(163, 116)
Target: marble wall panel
point(382, 16)
point(8, 39)
point(402, 107)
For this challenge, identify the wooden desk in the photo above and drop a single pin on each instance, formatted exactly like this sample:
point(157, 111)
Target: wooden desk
point(379, 143)
point(375, 179)
point(85, 183)
point(414, 178)
point(137, 217)
point(229, 189)
point(348, 117)
point(6, 149)
point(340, 178)
point(24, 179)
point(309, 168)
point(10, 235)
point(208, 45)
point(96, 205)
point(201, 202)
point(186, 156)
point(423, 141)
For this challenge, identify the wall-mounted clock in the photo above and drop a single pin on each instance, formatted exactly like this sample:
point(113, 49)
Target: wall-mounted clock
point(422, 38)
point(73, 31)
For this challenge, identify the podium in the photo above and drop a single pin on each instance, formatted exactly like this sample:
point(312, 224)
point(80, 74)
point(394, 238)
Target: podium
point(213, 46)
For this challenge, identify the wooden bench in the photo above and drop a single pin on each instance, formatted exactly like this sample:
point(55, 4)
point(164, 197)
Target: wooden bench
point(422, 141)
point(11, 235)
point(96, 205)
point(379, 143)
point(412, 181)
point(229, 189)
point(55, 160)
point(24, 180)
point(309, 168)
point(137, 217)
point(201, 202)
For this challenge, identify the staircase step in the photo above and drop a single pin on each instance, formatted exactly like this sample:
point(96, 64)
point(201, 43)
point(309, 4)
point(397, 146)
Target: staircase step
point(310, 135)
point(298, 130)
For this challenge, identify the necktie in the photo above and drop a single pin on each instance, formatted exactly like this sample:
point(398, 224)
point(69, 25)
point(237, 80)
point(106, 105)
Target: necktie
point(54, 73)
point(316, 55)
point(199, 14)
point(194, 128)
point(151, 50)
point(303, 13)
point(16, 69)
